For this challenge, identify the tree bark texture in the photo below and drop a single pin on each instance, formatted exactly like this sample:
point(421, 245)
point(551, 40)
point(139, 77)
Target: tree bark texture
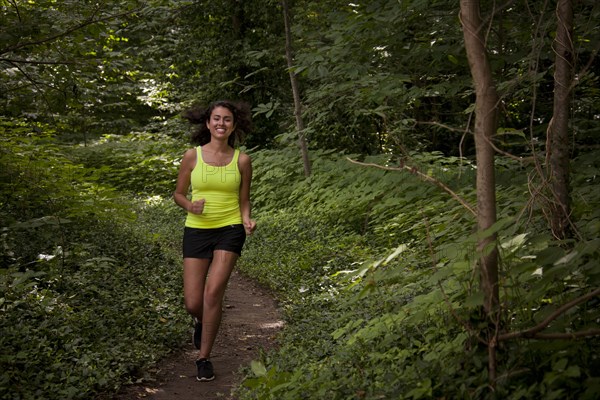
point(485, 127)
point(295, 91)
point(557, 151)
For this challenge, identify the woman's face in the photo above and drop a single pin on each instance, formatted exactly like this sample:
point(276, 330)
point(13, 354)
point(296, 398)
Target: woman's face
point(221, 123)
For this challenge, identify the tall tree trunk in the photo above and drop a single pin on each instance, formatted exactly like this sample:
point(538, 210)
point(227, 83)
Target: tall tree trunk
point(239, 27)
point(295, 91)
point(485, 127)
point(557, 151)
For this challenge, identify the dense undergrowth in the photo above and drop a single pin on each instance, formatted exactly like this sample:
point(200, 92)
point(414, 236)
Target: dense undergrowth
point(90, 279)
point(374, 270)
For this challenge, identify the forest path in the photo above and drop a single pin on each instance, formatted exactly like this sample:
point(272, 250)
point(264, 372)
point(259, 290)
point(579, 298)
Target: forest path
point(250, 323)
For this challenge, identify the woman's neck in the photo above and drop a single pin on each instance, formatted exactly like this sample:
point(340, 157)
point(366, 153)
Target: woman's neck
point(217, 146)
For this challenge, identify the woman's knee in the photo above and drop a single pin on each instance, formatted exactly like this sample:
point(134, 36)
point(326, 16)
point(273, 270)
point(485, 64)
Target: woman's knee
point(194, 306)
point(213, 296)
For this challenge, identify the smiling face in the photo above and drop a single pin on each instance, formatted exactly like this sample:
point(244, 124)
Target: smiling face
point(221, 123)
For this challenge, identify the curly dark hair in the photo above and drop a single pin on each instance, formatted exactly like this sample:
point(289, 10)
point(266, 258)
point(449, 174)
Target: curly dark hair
point(242, 118)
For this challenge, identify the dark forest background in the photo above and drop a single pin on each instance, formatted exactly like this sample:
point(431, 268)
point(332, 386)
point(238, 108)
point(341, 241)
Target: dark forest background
point(366, 154)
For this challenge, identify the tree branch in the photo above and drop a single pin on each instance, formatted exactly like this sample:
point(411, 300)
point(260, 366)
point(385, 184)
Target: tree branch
point(89, 21)
point(533, 333)
point(424, 177)
point(16, 6)
point(9, 60)
point(34, 82)
point(496, 148)
point(573, 335)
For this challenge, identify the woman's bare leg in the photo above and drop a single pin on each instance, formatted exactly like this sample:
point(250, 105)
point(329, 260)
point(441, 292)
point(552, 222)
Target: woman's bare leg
point(195, 271)
point(214, 293)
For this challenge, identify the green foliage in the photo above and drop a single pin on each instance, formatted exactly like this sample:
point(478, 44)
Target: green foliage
point(312, 251)
point(73, 64)
point(141, 163)
point(39, 179)
point(393, 310)
point(386, 76)
point(342, 193)
point(227, 49)
point(389, 76)
point(373, 70)
point(89, 283)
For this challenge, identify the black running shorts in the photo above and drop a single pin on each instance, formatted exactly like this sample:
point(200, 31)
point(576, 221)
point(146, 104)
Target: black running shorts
point(201, 243)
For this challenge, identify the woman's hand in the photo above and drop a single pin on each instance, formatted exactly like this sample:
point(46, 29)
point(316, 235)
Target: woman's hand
point(197, 206)
point(249, 226)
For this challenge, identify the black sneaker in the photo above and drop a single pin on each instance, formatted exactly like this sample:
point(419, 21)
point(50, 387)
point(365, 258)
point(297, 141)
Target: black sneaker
point(205, 370)
point(197, 335)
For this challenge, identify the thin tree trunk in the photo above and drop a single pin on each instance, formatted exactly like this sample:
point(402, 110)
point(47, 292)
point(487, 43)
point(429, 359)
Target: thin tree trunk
point(485, 127)
point(295, 91)
point(557, 152)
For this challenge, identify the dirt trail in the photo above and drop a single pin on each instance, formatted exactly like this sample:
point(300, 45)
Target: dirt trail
point(250, 323)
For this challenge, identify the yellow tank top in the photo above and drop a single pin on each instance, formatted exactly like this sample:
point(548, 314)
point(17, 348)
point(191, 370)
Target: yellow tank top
point(220, 188)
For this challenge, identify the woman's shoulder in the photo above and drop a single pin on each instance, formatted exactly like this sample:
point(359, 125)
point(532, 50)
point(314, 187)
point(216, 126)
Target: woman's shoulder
point(243, 157)
point(244, 161)
point(190, 155)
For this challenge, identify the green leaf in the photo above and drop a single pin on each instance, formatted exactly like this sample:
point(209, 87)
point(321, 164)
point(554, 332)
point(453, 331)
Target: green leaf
point(258, 368)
